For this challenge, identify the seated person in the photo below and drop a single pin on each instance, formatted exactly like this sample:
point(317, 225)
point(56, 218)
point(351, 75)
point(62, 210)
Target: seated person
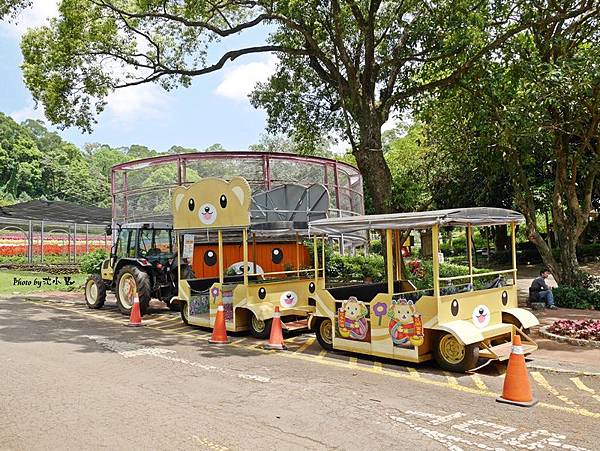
point(539, 291)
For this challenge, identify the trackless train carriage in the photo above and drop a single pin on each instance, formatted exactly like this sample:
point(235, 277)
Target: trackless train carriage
point(212, 207)
point(454, 324)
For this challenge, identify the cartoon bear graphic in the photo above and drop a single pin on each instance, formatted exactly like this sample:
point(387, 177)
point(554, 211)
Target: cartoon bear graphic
point(212, 203)
point(352, 321)
point(405, 324)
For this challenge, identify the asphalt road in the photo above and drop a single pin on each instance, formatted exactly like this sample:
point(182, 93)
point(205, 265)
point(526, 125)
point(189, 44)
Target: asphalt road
point(72, 378)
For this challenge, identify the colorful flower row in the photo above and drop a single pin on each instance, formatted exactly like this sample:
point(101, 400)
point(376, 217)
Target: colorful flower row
point(49, 249)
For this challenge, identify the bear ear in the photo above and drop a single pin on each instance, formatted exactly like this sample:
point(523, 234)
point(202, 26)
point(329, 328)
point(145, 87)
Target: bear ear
point(177, 196)
point(241, 189)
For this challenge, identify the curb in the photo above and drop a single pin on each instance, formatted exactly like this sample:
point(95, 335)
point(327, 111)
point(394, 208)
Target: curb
point(556, 369)
point(543, 331)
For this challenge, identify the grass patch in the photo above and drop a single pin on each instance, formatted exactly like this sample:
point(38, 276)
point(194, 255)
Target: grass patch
point(23, 282)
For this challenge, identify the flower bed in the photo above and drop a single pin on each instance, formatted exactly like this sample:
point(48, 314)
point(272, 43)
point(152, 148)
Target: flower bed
point(588, 329)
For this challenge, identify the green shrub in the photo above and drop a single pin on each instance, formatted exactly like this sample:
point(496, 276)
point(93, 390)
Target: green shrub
point(424, 278)
point(90, 263)
point(571, 297)
point(376, 247)
point(348, 268)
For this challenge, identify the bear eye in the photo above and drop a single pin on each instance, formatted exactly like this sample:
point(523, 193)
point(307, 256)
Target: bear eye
point(223, 201)
point(276, 255)
point(454, 307)
point(311, 287)
point(210, 257)
point(262, 293)
point(191, 204)
point(504, 298)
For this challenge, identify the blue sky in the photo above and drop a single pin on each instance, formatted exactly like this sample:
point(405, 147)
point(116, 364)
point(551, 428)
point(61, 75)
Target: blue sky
point(214, 109)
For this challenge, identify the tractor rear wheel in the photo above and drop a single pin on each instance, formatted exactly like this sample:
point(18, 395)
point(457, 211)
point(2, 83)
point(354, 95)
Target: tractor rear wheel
point(95, 291)
point(130, 280)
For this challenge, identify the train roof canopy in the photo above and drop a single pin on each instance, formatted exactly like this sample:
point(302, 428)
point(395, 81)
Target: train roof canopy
point(476, 216)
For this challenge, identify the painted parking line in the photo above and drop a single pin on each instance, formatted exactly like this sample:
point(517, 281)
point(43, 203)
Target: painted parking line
point(413, 372)
point(353, 361)
point(478, 382)
point(581, 386)
point(377, 367)
point(409, 375)
point(541, 380)
point(451, 379)
point(306, 344)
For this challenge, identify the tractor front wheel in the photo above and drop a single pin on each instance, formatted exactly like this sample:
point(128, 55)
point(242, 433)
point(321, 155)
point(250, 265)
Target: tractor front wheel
point(95, 291)
point(130, 280)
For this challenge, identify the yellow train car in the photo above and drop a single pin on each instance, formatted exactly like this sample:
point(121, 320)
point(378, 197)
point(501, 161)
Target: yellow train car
point(455, 324)
point(211, 219)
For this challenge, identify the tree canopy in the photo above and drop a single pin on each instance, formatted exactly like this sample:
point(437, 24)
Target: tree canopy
point(344, 66)
point(533, 111)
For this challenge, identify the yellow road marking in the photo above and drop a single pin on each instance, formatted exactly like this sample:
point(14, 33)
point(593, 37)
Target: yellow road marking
point(451, 379)
point(353, 361)
point(211, 445)
point(335, 363)
point(478, 381)
point(581, 386)
point(413, 372)
point(377, 367)
point(322, 354)
point(168, 325)
point(541, 380)
point(308, 342)
point(240, 340)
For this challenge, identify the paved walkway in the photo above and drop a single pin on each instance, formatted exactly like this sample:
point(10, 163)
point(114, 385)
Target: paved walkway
point(550, 352)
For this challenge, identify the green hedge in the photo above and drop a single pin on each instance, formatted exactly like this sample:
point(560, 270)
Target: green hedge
point(424, 279)
point(90, 263)
point(349, 268)
point(580, 298)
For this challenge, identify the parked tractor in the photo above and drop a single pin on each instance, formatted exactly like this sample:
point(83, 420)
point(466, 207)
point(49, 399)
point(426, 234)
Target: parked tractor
point(143, 260)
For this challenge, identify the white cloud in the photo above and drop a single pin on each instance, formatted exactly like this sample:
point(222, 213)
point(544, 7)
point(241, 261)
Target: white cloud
point(239, 81)
point(135, 103)
point(28, 112)
point(34, 16)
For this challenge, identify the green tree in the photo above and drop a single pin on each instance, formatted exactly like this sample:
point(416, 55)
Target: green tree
point(20, 160)
point(343, 66)
point(10, 8)
point(535, 106)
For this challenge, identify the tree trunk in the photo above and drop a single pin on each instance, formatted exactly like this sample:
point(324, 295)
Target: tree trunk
point(501, 239)
point(373, 167)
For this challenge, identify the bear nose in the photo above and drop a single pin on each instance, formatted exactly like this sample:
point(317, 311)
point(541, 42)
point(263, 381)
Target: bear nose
point(481, 311)
point(207, 209)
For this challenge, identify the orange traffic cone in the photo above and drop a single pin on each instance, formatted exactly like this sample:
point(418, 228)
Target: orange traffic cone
point(135, 318)
point(219, 335)
point(517, 389)
point(276, 337)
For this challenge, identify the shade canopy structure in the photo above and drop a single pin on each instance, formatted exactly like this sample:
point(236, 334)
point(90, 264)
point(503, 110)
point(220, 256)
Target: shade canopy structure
point(476, 216)
point(64, 229)
point(56, 211)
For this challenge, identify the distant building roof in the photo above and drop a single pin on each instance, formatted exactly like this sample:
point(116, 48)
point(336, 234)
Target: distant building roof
point(56, 211)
